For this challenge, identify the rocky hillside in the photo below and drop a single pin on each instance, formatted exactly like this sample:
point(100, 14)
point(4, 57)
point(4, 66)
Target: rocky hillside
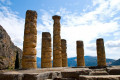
point(10, 55)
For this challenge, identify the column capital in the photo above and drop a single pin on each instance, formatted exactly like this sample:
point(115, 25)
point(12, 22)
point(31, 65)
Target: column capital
point(100, 39)
point(56, 17)
point(46, 34)
point(31, 12)
point(79, 43)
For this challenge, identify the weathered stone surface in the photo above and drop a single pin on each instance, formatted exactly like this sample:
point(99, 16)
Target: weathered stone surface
point(80, 53)
point(11, 76)
point(70, 74)
point(115, 70)
point(61, 73)
point(10, 55)
point(101, 59)
point(57, 61)
point(46, 61)
point(30, 41)
point(100, 77)
point(64, 53)
point(99, 72)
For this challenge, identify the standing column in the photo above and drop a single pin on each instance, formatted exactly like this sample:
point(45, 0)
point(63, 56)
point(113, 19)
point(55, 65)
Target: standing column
point(101, 60)
point(64, 54)
point(57, 56)
point(30, 40)
point(80, 54)
point(46, 51)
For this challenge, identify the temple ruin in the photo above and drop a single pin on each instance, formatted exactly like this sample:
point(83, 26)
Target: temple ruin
point(30, 41)
point(60, 70)
point(101, 59)
point(64, 53)
point(46, 50)
point(80, 53)
point(57, 56)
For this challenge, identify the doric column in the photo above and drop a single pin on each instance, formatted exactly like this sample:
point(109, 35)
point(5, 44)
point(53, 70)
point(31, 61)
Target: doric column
point(57, 56)
point(101, 59)
point(64, 53)
point(80, 53)
point(30, 41)
point(46, 51)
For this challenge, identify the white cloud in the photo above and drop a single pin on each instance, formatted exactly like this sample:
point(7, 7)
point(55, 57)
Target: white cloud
point(88, 26)
point(13, 24)
point(100, 21)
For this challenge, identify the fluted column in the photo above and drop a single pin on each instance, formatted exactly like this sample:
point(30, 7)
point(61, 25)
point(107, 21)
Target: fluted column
point(64, 53)
point(101, 59)
point(30, 41)
point(57, 56)
point(80, 53)
point(46, 51)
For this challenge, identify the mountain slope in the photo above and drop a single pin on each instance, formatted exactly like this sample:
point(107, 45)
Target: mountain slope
point(10, 55)
point(117, 62)
point(89, 61)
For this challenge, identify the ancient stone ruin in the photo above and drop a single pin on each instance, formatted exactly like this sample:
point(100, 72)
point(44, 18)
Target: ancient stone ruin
point(64, 53)
point(57, 56)
point(46, 52)
point(30, 41)
point(80, 53)
point(60, 69)
point(101, 59)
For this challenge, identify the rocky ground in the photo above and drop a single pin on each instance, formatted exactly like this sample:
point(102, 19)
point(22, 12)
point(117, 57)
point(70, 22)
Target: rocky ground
point(64, 73)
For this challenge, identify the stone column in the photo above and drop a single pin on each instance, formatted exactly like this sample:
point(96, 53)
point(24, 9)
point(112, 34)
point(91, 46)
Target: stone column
point(80, 53)
point(57, 56)
point(64, 53)
point(101, 59)
point(46, 51)
point(30, 41)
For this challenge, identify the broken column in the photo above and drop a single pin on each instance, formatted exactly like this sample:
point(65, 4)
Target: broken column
point(64, 53)
point(80, 54)
point(46, 51)
point(101, 59)
point(57, 56)
point(30, 41)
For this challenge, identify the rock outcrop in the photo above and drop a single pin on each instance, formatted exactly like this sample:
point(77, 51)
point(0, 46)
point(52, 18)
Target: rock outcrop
point(10, 55)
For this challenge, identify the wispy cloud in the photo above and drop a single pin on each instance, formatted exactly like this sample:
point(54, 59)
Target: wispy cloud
point(7, 2)
point(100, 21)
point(13, 24)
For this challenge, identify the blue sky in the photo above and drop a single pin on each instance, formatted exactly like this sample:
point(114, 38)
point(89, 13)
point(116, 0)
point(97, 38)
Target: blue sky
point(84, 20)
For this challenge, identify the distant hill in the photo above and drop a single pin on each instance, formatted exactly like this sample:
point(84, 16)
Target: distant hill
point(117, 62)
point(72, 62)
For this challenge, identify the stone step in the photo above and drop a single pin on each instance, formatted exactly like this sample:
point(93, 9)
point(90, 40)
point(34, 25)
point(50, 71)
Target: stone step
point(98, 72)
point(100, 77)
point(114, 70)
point(65, 79)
